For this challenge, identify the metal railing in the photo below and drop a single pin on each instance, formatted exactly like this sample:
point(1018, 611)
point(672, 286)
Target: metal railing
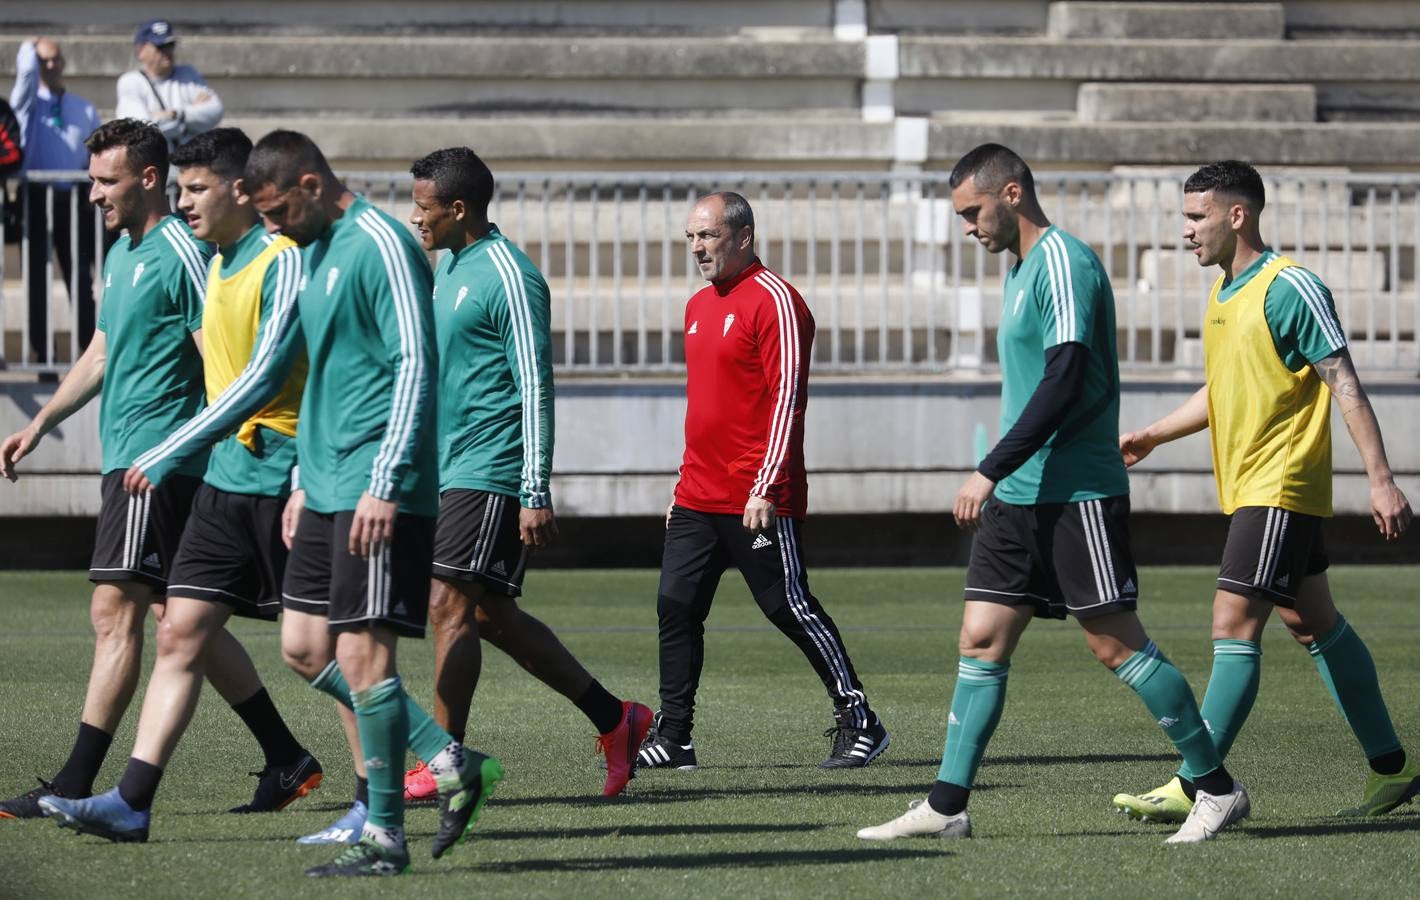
point(893, 283)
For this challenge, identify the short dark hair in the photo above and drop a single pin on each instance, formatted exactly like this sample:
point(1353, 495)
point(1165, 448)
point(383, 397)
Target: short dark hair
point(281, 158)
point(1232, 177)
point(738, 213)
point(223, 150)
point(993, 166)
point(144, 144)
point(457, 174)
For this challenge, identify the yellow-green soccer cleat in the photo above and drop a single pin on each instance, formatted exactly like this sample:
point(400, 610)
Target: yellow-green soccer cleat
point(1385, 792)
point(1163, 804)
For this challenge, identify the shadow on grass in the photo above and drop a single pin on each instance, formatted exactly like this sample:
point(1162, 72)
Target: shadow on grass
point(709, 861)
point(613, 831)
point(655, 794)
point(1080, 758)
point(1336, 826)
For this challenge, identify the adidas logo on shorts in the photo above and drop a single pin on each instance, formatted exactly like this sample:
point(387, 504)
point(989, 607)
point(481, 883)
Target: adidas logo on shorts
point(151, 561)
point(498, 568)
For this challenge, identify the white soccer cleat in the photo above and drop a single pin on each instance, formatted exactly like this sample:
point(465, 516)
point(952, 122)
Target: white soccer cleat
point(920, 820)
point(1211, 814)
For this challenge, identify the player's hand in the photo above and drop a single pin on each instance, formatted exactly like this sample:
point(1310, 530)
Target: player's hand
point(759, 515)
point(537, 527)
point(373, 525)
point(971, 497)
point(15, 448)
point(1135, 445)
point(670, 508)
point(291, 516)
point(1390, 510)
point(136, 482)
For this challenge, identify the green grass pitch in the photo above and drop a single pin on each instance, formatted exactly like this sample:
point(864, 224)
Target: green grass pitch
point(758, 819)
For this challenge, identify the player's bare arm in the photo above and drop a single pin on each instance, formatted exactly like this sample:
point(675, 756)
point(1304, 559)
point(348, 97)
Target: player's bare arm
point(1190, 418)
point(81, 385)
point(1389, 508)
point(537, 527)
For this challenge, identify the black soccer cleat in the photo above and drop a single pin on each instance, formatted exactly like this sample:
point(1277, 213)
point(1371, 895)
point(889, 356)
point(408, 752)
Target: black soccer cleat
point(280, 786)
point(26, 806)
point(853, 748)
point(461, 807)
point(362, 860)
point(660, 752)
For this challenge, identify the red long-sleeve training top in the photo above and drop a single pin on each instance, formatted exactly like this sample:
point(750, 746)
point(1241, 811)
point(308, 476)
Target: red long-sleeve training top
point(747, 347)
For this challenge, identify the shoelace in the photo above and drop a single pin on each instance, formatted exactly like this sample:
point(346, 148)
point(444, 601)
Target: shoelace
point(843, 738)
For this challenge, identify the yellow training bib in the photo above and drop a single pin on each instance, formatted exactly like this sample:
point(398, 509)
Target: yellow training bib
point(1270, 426)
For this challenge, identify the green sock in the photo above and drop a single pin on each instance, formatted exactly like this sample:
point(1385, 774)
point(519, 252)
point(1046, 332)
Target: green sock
point(1232, 688)
point(1165, 692)
point(1350, 675)
point(384, 728)
point(426, 738)
point(977, 702)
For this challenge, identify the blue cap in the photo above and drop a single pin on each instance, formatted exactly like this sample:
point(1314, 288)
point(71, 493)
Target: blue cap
point(155, 31)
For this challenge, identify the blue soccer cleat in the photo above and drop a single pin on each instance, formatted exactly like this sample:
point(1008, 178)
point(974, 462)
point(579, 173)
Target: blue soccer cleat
point(345, 830)
point(107, 815)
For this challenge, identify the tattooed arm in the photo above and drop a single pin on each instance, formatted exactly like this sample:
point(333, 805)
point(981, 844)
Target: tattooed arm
point(1389, 508)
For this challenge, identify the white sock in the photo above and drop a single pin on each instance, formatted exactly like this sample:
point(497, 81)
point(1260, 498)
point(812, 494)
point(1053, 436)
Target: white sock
point(447, 767)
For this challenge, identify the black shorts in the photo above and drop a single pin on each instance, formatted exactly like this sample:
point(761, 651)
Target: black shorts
point(232, 553)
point(391, 588)
point(479, 540)
point(1268, 553)
point(137, 537)
point(1058, 557)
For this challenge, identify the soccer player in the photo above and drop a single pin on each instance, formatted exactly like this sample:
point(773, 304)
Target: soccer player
point(1055, 538)
point(492, 314)
point(1274, 357)
point(742, 492)
point(145, 357)
point(358, 575)
point(231, 558)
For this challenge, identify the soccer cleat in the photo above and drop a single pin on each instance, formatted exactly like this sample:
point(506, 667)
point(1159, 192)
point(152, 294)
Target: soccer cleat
point(462, 806)
point(26, 806)
point(920, 820)
point(419, 784)
point(107, 815)
point(853, 748)
point(619, 746)
point(280, 786)
point(364, 858)
point(344, 830)
point(1385, 792)
point(1211, 814)
point(1163, 804)
point(659, 752)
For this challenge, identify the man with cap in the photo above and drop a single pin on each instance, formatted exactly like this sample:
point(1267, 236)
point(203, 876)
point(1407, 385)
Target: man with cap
point(173, 97)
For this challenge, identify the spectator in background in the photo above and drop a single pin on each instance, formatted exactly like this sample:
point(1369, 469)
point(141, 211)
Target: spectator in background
point(173, 97)
point(53, 126)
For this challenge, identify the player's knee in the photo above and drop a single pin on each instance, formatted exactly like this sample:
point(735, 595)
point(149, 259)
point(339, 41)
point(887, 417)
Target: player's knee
point(179, 638)
point(114, 614)
point(448, 607)
point(302, 658)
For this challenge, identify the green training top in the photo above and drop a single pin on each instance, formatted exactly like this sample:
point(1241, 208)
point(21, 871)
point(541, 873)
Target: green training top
point(1300, 313)
point(368, 414)
point(1060, 293)
point(492, 314)
point(152, 303)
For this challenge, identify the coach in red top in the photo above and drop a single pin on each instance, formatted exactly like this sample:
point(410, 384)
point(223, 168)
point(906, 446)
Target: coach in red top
point(742, 492)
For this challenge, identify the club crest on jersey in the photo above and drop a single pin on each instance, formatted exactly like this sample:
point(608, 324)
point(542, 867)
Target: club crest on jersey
point(729, 320)
point(463, 292)
point(330, 277)
point(693, 327)
point(137, 273)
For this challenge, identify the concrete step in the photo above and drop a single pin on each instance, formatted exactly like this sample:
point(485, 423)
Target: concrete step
point(1095, 59)
point(1183, 21)
point(1164, 102)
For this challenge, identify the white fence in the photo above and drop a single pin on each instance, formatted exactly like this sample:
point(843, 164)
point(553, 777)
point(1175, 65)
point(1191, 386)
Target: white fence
point(892, 281)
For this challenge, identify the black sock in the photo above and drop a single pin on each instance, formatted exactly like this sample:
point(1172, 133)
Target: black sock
point(1190, 790)
point(362, 790)
point(76, 779)
point(139, 784)
point(1388, 763)
point(458, 736)
point(948, 799)
point(1216, 782)
point(601, 707)
point(266, 725)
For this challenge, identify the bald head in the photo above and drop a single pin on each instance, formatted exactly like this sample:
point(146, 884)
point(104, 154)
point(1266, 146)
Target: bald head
point(720, 233)
point(51, 64)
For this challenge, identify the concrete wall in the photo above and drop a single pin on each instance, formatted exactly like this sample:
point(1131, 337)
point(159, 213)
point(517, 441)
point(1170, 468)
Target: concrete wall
point(873, 446)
